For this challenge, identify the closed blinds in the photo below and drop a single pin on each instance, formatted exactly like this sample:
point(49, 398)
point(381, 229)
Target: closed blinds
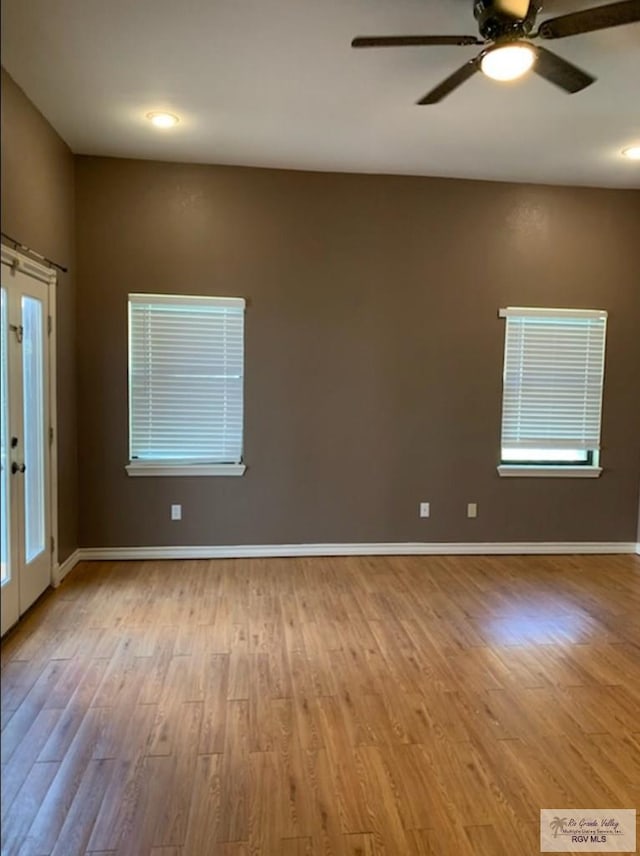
point(553, 378)
point(186, 360)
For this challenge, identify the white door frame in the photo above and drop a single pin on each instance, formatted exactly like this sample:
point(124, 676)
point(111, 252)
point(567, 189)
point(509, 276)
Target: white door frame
point(17, 261)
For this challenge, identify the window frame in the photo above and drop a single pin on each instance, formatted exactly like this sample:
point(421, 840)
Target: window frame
point(588, 461)
point(590, 468)
point(178, 466)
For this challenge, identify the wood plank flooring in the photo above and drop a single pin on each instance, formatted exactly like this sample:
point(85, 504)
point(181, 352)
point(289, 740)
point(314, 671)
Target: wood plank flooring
point(306, 707)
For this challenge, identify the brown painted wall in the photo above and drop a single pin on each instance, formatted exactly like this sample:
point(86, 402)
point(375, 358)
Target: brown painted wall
point(37, 210)
point(373, 349)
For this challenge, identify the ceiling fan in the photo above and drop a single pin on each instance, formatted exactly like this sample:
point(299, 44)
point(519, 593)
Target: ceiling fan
point(507, 53)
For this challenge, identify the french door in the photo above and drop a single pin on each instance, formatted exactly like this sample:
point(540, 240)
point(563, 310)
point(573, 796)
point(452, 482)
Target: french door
point(26, 554)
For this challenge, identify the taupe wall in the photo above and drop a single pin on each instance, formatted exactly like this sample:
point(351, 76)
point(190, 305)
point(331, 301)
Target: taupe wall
point(373, 349)
point(37, 210)
point(373, 345)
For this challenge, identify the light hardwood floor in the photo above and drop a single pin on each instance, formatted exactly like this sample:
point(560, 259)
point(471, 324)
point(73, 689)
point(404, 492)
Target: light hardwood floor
point(284, 707)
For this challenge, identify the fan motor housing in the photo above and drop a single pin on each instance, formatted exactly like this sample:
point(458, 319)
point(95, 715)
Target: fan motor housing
point(495, 23)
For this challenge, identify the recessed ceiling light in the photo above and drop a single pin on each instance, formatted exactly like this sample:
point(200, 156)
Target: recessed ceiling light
point(507, 62)
point(632, 152)
point(163, 120)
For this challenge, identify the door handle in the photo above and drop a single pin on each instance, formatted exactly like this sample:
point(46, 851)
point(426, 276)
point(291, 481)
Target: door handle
point(18, 330)
point(18, 468)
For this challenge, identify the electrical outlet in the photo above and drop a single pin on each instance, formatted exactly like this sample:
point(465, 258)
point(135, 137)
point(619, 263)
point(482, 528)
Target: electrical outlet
point(176, 512)
point(472, 509)
point(425, 510)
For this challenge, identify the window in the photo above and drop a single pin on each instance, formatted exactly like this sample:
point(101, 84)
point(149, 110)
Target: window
point(186, 366)
point(552, 391)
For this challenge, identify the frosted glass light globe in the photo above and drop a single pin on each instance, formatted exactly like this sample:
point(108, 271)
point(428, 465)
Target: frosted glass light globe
point(507, 62)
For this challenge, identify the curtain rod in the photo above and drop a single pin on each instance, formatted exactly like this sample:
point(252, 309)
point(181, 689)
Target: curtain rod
point(18, 246)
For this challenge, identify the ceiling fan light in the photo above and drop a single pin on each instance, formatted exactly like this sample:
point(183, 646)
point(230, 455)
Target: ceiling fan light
point(507, 62)
point(632, 152)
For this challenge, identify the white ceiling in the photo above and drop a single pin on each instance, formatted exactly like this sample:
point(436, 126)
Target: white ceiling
point(276, 83)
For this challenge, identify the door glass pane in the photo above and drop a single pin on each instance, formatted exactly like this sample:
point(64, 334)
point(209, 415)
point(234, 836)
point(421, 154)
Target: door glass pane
point(4, 420)
point(33, 391)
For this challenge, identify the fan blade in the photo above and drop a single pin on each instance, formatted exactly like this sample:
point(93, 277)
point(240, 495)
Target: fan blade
point(452, 82)
point(598, 18)
point(557, 70)
point(411, 41)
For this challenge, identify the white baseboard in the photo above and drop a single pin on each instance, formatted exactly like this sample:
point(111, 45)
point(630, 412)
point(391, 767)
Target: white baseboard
point(60, 571)
point(444, 548)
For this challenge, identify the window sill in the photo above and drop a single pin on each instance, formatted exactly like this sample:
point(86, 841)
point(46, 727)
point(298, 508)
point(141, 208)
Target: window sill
point(166, 469)
point(516, 471)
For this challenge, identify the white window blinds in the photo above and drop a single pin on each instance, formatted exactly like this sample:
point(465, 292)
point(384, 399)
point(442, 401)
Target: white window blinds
point(553, 377)
point(186, 360)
